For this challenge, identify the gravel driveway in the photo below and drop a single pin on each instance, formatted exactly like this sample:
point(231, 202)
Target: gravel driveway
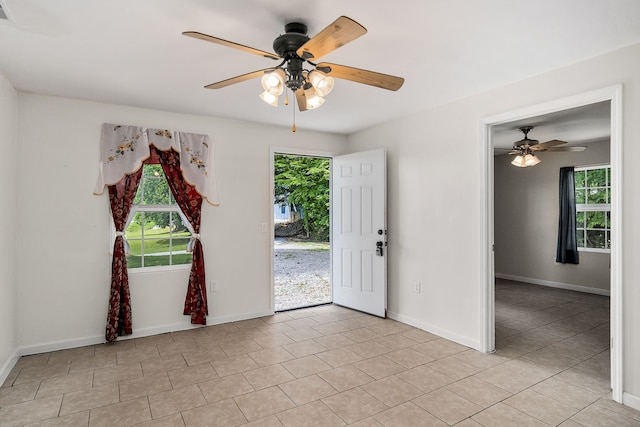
point(301, 273)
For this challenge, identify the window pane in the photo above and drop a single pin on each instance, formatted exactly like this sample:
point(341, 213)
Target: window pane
point(595, 220)
point(579, 177)
point(138, 199)
point(580, 197)
point(609, 177)
point(156, 260)
point(179, 226)
point(180, 254)
point(580, 238)
point(152, 170)
point(596, 195)
point(158, 237)
point(160, 244)
point(580, 220)
point(156, 191)
point(596, 239)
point(597, 178)
point(158, 223)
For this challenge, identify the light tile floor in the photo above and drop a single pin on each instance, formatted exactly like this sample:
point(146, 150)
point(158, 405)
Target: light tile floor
point(330, 366)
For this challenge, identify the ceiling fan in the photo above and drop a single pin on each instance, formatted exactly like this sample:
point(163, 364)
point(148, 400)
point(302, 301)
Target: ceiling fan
point(295, 49)
point(525, 149)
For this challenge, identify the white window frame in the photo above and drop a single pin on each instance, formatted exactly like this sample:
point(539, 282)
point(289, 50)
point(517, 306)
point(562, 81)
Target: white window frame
point(593, 207)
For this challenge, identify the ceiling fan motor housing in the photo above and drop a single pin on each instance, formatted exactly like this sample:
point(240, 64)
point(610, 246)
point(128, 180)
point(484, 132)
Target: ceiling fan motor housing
point(526, 141)
point(286, 46)
point(295, 36)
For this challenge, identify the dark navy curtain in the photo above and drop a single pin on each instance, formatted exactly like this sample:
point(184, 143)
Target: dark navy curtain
point(567, 252)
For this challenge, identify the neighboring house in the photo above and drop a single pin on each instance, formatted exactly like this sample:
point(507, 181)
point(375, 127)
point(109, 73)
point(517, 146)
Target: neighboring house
point(284, 212)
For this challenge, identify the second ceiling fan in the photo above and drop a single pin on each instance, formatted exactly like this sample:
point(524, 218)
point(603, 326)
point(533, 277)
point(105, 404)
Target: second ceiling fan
point(295, 49)
point(525, 149)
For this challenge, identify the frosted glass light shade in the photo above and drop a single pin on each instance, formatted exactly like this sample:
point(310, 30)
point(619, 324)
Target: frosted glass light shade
point(531, 160)
point(519, 162)
point(269, 98)
point(273, 82)
point(323, 84)
point(313, 99)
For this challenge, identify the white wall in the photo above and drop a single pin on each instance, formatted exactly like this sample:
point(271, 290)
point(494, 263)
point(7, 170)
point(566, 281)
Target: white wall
point(8, 121)
point(526, 223)
point(63, 263)
point(434, 203)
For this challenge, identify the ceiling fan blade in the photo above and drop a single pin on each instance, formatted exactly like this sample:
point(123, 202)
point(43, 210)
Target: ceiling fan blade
point(372, 78)
point(238, 79)
point(227, 43)
point(574, 148)
point(301, 99)
point(501, 151)
point(548, 144)
point(342, 31)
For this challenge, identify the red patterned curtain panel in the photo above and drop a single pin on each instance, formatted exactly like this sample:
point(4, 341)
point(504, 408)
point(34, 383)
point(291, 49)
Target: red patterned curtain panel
point(190, 203)
point(187, 160)
point(121, 197)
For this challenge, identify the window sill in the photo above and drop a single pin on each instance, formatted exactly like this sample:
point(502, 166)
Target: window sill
point(162, 269)
point(596, 250)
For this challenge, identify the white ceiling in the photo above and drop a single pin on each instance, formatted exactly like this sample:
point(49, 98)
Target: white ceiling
point(133, 53)
point(576, 126)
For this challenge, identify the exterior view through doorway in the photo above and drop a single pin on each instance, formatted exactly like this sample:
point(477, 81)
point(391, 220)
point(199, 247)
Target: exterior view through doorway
point(301, 242)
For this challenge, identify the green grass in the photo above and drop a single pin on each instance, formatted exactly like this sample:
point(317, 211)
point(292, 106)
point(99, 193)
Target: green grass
point(156, 241)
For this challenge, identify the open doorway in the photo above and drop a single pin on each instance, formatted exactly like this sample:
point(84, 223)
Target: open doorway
point(301, 243)
point(488, 314)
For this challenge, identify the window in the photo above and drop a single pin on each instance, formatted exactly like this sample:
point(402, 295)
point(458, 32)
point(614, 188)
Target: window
point(593, 208)
point(157, 232)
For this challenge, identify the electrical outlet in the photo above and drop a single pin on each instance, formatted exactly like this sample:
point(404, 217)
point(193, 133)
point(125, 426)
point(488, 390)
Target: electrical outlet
point(213, 286)
point(264, 227)
point(418, 287)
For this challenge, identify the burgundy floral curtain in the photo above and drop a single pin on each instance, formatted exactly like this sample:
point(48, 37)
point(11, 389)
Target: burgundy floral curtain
point(190, 203)
point(121, 195)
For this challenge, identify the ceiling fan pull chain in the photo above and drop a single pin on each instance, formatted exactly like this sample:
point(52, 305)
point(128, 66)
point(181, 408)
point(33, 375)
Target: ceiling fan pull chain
point(293, 128)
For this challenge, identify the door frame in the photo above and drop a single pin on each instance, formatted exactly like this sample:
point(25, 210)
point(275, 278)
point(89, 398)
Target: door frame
point(294, 151)
point(487, 291)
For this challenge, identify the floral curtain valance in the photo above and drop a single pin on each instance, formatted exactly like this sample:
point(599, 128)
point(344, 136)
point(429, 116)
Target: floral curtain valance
point(125, 148)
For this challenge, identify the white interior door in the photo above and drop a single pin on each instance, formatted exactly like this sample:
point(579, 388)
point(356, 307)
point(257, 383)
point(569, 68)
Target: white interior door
point(359, 224)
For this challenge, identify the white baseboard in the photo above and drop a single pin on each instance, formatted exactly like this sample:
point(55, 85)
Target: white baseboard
point(137, 333)
point(8, 365)
point(60, 345)
point(631, 401)
point(551, 284)
point(435, 330)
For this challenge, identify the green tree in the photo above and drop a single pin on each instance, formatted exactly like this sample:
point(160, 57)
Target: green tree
point(304, 182)
point(154, 190)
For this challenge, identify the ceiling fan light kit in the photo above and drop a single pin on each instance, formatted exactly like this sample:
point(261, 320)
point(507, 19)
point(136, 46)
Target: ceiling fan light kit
point(525, 161)
point(296, 49)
